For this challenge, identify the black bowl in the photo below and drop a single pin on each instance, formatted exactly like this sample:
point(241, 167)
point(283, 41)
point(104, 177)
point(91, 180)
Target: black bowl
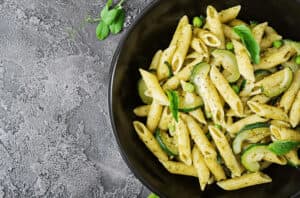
point(152, 31)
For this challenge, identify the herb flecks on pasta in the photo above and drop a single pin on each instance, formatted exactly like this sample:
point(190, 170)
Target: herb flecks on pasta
point(222, 101)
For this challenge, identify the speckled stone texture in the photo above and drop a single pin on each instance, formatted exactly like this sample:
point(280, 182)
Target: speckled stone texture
point(55, 134)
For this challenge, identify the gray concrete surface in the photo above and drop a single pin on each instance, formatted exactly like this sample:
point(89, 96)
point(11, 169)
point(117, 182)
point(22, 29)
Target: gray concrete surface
point(55, 134)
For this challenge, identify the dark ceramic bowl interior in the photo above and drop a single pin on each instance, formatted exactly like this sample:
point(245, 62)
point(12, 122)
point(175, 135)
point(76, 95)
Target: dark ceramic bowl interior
point(152, 31)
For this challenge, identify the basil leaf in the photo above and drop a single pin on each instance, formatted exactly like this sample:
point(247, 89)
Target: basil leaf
point(111, 15)
point(117, 25)
point(174, 101)
point(102, 30)
point(282, 147)
point(247, 38)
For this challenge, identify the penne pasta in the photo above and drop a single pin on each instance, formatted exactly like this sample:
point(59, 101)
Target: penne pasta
point(163, 71)
point(142, 111)
point(258, 31)
point(289, 96)
point(147, 137)
point(184, 145)
point(243, 61)
point(248, 179)
point(268, 111)
point(154, 115)
point(155, 60)
point(275, 58)
point(165, 119)
point(208, 38)
point(229, 33)
point(214, 24)
point(229, 14)
point(179, 168)
point(206, 148)
point(198, 115)
point(183, 45)
point(182, 22)
point(225, 151)
point(282, 133)
point(154, 87)
point(201, 167)
point(295, 111)
point(226, 91)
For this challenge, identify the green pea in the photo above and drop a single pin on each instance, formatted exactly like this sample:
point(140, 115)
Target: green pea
point(229, 46)
point(197, 22)
point(297, 59)
point(218, 126)
point(277, 44)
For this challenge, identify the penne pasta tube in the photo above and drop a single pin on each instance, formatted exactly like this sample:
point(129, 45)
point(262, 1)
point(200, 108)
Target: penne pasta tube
point(166, 119)
point(155, 60)
point(268, 111)
point(243, 61)
point(141, 111)
point(248, 179)
point(199, 46)
point(214, 24)
point(280, 123)
point(206, 148)
point(163, 71)
point(198, 115)
point(282, 133)
point(184, 145)
point(229, 14)
point(154, 115)
point(261, 98)
point(295, 111)
point(229, 33)
point(275, 58)
point(208, 38)
point(149, 140)
point(289, 96)
point(258, 31)
point(182, 22)
point(222, 85)
point(201, 167)
point(183, 45)
point(179, 168)
point(225, 151)
point(154, 87)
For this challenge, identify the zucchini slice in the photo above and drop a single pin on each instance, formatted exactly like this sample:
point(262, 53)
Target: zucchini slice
point(261, 73)
point(228, 61)
point(189, 102)
point(257, 152)
point(166, 142)
point(142, 88)
point(277, 83)
point(252, 133)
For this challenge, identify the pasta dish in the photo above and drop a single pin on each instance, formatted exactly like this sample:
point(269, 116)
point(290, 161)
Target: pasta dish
point(222, 101)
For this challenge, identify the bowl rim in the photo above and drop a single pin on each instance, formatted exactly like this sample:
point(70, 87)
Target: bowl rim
point(113, 66)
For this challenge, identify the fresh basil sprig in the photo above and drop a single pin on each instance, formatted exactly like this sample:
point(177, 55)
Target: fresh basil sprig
point(174, 101)
point(282, 147)
point(112, 20)
point(247, 38)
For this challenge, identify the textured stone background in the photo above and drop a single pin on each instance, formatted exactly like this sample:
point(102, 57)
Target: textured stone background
point(55, 134)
